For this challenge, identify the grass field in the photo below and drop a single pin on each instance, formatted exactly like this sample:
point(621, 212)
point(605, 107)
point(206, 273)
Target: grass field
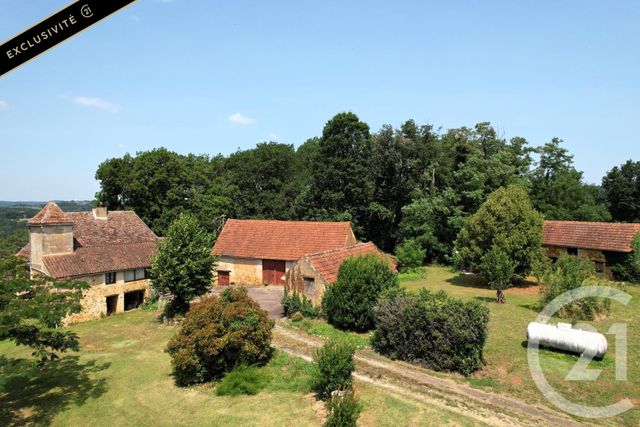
point(506, 369)
point(122, 377)
point(506, 354)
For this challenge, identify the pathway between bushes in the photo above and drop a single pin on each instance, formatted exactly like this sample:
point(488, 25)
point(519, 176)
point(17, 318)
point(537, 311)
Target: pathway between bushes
point(417, 383)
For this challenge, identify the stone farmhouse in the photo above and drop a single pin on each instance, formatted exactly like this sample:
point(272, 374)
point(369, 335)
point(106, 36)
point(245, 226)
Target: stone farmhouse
point(256, 252)
point(109, 250)
point(313, 273)
point(593, 241)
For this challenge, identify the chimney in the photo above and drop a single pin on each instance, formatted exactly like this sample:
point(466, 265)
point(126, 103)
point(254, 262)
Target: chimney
point(100, 212)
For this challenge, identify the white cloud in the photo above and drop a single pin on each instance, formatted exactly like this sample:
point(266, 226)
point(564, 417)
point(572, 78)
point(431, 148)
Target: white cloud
point(274, 137)
point(240, 119)
point(98, 103)
point(4, 105)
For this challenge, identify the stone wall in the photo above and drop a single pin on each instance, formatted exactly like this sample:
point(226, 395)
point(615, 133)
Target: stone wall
point(49, 240)
point(243, 271)
point(94, 303)
point(294, 282)
point(590, 255)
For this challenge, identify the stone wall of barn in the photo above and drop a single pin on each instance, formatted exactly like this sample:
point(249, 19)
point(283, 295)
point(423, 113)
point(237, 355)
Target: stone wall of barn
point(591, 255)
point(94, 302)
point(294, 282)
point(242, 271)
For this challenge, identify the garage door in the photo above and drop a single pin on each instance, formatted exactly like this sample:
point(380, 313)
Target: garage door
point(273, 271)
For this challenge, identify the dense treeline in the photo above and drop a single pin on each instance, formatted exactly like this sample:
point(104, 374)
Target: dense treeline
point(413, 182)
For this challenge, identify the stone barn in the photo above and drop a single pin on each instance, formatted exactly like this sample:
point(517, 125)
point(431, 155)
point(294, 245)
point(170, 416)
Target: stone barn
point(110, 251)
point(596, 242)
point(311, 275)
point(256, 252)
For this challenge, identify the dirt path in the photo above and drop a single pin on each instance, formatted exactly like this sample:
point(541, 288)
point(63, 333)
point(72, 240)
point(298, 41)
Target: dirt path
point(414, 382)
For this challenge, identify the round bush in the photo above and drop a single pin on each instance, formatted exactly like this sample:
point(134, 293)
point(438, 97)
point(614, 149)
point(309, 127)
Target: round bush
point(348, 303)
point(218, 334)
point(434, 330)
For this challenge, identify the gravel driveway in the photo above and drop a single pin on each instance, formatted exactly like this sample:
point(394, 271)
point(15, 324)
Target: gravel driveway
point(267, 296)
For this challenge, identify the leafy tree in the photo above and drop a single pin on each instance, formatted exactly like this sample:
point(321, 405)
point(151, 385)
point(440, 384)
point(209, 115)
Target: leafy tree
point(183, 264)
point(348, 303)
point(410, 254)
point(557, 187)
point(505, 222)
point(219, 334)
point(340, 186)
point(622, 191)
point(265, 179)
point(498, 270)
point(159, 185)
point(31, 309)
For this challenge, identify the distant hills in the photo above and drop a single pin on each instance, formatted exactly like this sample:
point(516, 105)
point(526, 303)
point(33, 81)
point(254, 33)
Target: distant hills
point(72, 205)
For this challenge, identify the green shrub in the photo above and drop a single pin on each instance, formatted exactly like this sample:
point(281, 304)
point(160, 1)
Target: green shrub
point(218, 334)
point(297, 317)
point(348, 303)
point(296, 303)
point(410, 255)
point(242, 380)
point(571, 272)
point(343, 411)
point(434, 330)
point(626, 266)
point(333, 368)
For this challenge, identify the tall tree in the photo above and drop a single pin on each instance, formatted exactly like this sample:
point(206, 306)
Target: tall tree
point(340, 187)
point(265, 177)
point(557, 189)
point(622, 191)
point(183, 264)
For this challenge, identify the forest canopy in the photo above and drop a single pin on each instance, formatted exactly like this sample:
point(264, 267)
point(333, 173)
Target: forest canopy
point(412, 182)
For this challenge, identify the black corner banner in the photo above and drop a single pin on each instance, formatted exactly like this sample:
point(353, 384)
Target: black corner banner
point(55, 29)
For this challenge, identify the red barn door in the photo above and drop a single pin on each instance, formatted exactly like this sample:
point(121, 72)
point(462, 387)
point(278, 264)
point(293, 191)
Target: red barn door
point(273, 271)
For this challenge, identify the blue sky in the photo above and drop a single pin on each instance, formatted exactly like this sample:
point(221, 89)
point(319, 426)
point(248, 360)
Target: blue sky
point(214, 76)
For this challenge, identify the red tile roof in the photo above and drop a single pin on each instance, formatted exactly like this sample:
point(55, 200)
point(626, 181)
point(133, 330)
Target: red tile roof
point(25, 252)
point(121, 241)
point(100, 259)
point(604, 236)
point(49, 214)
point(328, 263)
point(279, 240)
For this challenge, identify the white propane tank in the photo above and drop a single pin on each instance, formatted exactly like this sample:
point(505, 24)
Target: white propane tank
point(563, 337)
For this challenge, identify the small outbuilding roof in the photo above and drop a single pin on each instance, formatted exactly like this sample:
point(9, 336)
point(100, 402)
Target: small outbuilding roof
point(328, 263)
point(603, 236)
point(280, 240)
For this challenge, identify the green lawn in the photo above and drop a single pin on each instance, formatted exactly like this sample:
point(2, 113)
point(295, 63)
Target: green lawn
point(506, 355)
point(122, 377)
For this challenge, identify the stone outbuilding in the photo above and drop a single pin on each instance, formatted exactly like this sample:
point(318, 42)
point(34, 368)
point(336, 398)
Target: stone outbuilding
point(111, 251)
point(256, 252)
point(592, 241)
point(313, 273)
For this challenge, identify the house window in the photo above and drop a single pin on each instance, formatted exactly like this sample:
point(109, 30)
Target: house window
point(599, 265)
point(110, 278)
point(137, 274)
point(572, 251)
point(309, 286)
